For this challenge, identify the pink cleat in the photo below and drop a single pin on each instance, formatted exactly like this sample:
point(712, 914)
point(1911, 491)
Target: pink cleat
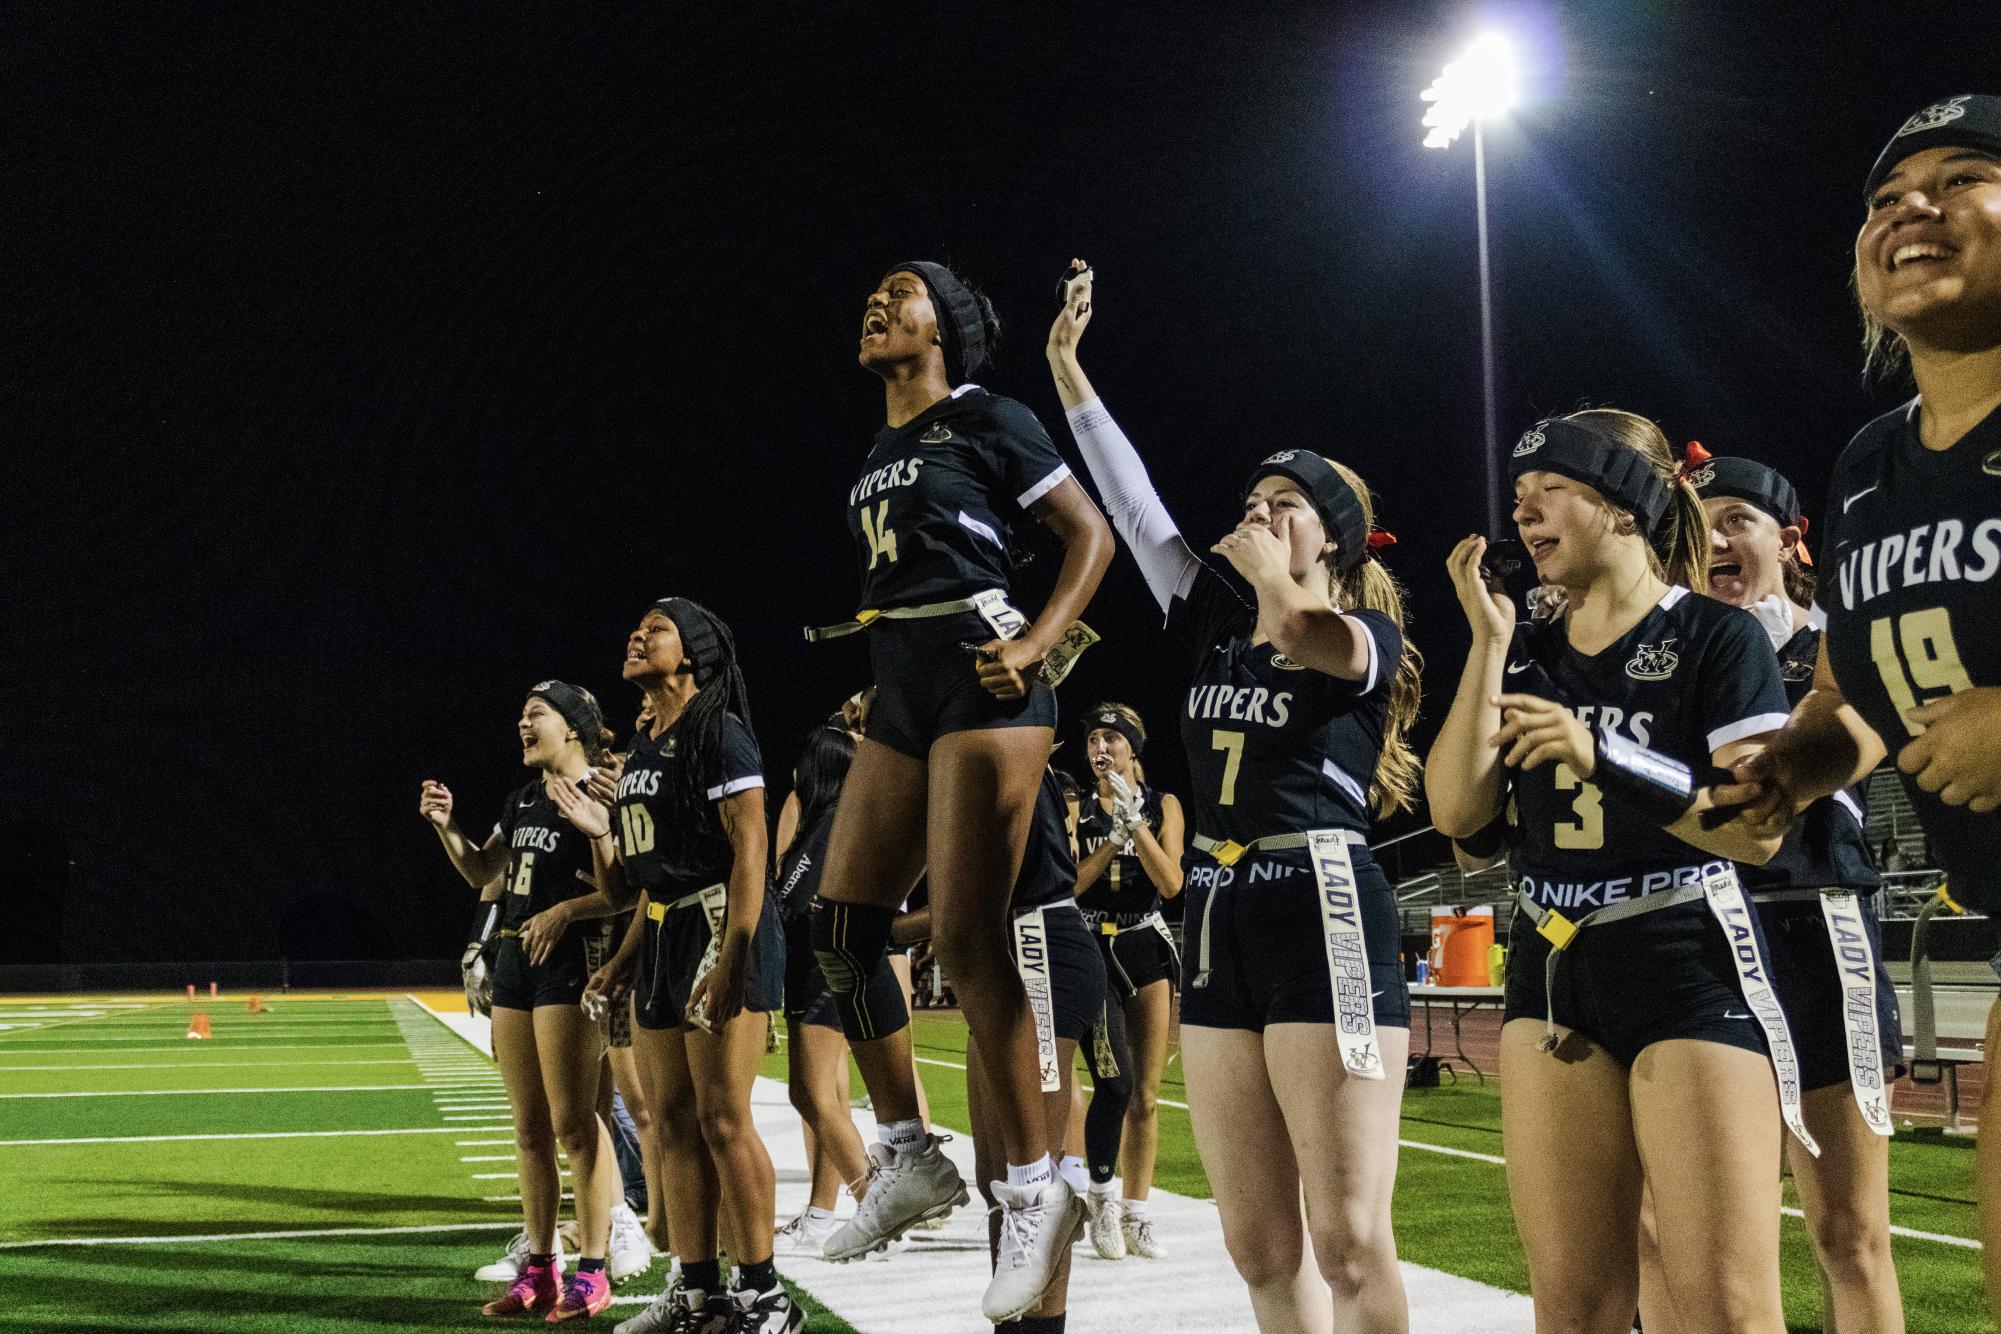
point(584, 1296)
point(538, 1286)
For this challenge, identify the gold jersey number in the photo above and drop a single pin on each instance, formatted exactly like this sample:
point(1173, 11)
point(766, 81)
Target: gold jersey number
point(1232, 746)
point(635, 828)
point(524, 872)
point(1916, 653)
point(1587, 812)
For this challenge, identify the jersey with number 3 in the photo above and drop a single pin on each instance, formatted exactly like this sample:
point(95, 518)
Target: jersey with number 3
point(1909, 558)
point(548, 858)
point(1693, 676)
point(939, 497)
point(665, 850)
point(1275, 747)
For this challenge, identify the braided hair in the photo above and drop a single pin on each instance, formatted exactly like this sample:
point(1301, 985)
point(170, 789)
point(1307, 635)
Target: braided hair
point(719, 690)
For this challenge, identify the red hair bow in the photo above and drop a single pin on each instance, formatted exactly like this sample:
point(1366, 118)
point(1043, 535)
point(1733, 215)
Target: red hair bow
point(1694, 458)
point(1379, 538)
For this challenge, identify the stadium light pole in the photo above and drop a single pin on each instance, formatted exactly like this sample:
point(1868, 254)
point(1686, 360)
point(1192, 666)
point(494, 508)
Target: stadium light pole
point(1476, 87)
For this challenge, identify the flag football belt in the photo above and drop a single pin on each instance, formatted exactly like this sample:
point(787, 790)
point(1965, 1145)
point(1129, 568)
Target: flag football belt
point(1228, 852)
point(508, 933)
point(1118, 923)
point(991, 604)
point(1726, 903)
point(1327, 852)
point(1855, 970)
point(1030, 930)
point(715, 899)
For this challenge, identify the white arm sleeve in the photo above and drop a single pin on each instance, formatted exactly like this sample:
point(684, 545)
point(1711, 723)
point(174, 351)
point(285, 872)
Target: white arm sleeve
point(1135, 509)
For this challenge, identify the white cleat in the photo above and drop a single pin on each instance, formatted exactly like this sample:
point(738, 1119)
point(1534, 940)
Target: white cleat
point(631, 1254)
point(1037, 1225)
point(805, 1235)
point(679, 1310)
point(904, 1189)
point(766, 1312)
point(1140, 1241)
point(1102, 1218)
point(509, 1266)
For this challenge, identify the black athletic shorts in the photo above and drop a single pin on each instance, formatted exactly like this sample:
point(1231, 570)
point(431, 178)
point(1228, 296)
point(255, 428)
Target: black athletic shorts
point(1805, 975)
point(671, 952)
point(1077, 985)
point(926, 687)
point(807, 1000)
point(518, 985)
point(1138, 952)
point(1253, 952)
point(1629, 984)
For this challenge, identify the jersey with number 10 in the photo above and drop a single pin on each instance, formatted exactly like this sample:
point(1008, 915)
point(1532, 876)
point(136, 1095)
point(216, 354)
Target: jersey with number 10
point(665, 850)
point(1910, 554)
point(1693, 676)
point(1275, 747)
point(939, 497)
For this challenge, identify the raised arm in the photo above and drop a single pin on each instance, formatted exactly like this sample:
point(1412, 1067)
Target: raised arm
point(1128, 495)
point(1462, 774)
point(478, 863)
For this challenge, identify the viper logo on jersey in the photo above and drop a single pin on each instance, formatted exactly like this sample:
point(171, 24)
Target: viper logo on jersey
point(1285, 664)
point(903, 472)
point(644, 782)
point(1991, 465)
point(533, 836)
point(937, 435)
point(1242, 703)
point(1654, 662)
point(1927, 554)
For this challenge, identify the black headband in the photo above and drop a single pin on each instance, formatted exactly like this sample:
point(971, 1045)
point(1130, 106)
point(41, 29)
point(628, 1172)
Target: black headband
point(1746, 480)
point(1622, 475)
point(962, 325)
point(1971, 120)
point(700, 639)
point(1113, 721)
point(1340, 509)
point(578, 707)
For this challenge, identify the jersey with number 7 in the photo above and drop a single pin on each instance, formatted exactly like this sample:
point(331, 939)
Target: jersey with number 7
point(1275, 747)
point(1911, 582)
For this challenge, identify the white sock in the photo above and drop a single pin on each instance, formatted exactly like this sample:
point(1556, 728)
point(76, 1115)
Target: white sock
point(816, 1213)
point(1073, 1171)
point(1034, 1176)
point(1135, 1208)
point(902, 1136)
point(1110, 1188)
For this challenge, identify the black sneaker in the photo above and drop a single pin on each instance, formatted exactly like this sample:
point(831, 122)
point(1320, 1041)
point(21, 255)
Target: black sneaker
point(769, 1312)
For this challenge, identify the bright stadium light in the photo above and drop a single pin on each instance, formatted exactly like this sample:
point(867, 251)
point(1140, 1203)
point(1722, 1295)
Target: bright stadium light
point(1476, 87)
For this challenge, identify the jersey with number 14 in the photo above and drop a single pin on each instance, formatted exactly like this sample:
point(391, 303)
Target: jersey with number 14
point(1275, 747)
point(939, 497)
point(1693, 676)
point(1910, 555)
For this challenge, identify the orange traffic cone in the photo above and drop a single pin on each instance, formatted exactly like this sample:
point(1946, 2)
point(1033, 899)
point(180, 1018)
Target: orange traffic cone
point(198, 1027)
point(256, 1005)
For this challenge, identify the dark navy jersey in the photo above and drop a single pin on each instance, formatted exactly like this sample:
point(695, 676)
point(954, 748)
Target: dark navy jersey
point(1826, 847)
point(1274, 747)
point(548, 858)
point(1693, 676)
point(1913, 539)
point(668, 851)
point(1048, 868)
point(940, 496)
point(800, 866)
point(1125, 886)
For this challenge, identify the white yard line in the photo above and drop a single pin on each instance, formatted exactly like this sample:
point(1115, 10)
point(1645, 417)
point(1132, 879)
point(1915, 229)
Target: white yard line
point(190, 1238)
point(202, 1065)
point(177, 1093)
point(255, 1134)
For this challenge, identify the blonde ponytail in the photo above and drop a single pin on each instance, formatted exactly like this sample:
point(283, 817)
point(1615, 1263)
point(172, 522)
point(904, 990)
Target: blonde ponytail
point(1371, 585)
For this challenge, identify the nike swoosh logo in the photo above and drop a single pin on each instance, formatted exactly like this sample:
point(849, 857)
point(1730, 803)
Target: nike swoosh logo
point(1514, 667)
point(526, 802)
point(1728, 1015)
point(1857, 496)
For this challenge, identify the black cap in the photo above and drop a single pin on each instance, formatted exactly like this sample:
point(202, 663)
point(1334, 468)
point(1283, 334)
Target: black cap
point(1621, 475)
point(1752, 482)
point(1970, 120)
point(578, 707)
point(962, 323)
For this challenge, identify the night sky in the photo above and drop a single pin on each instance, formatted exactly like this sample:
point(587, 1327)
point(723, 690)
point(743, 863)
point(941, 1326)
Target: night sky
point(363, 367)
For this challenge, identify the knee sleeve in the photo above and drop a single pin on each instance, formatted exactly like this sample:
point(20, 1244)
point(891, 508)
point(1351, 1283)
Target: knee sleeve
point(851, 941)
point(1110, 1060)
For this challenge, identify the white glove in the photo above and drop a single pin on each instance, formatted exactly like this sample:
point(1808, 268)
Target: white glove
point(1126, 813)
point(478, 978)
point(1776, 615)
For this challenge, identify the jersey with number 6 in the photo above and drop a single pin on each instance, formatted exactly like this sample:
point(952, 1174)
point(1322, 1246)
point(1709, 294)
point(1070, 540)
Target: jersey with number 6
point(548, 858)
point(1275, 747)
point(1693, 676)
point(668, 851)
point(1909, 562)
point(939, 497)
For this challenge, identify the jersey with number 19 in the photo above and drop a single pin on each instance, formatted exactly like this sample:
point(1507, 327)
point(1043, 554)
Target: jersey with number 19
point(1910, 552)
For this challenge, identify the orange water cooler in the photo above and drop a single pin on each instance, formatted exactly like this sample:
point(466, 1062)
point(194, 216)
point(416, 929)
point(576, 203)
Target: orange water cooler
point(1461, 943)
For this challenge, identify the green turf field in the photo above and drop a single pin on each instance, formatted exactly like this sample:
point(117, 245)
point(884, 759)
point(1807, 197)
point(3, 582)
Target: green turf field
point(160, 1152)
